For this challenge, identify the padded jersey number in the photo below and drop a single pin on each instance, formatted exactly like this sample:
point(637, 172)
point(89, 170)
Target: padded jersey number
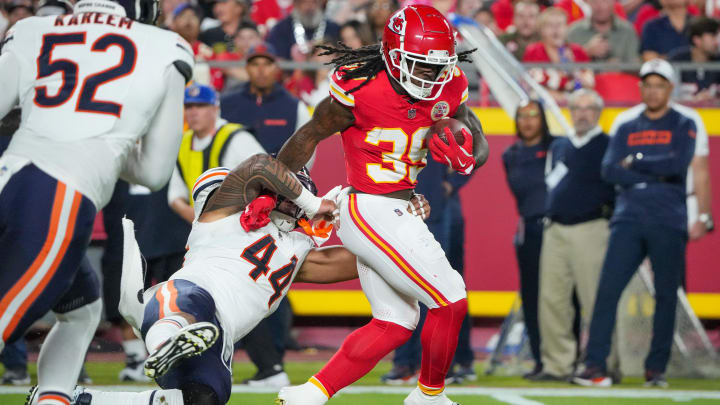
point(403, 146)
point(46, 66)
point(259, 255)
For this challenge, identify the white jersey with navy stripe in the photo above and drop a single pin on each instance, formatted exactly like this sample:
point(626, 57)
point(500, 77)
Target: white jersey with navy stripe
point(246, 273)
point(90, 86)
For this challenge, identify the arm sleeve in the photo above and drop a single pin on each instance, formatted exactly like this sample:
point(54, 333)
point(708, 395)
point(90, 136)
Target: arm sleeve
point(177, 188)
point(9, 80)
point(612, 172)
point(151, 161)
point(242, 146)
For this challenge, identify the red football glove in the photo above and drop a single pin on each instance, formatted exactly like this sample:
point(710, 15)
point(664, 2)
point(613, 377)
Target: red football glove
point(257, 213)
point(460, 158)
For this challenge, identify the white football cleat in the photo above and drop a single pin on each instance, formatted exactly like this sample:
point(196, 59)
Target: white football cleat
point(278, 380)
point(189, 341)
point(417, 397)
point(306, 394)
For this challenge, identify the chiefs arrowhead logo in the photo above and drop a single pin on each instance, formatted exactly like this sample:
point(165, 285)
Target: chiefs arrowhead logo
point(397, 23)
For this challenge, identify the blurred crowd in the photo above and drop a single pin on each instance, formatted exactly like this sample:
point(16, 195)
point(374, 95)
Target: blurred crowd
point(534, 31)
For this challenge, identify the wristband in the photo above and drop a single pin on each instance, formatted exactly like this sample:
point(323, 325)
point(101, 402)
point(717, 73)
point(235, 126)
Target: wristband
point(308, 202)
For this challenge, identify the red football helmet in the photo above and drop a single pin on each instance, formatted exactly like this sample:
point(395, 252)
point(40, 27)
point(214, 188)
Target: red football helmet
point(419, 34)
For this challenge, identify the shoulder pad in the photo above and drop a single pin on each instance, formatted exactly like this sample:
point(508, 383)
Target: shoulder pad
point(209, 181)
point(340, 87)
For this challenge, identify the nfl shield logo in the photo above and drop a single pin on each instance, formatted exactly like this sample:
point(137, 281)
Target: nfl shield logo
point(398, 212)
point(411, 113)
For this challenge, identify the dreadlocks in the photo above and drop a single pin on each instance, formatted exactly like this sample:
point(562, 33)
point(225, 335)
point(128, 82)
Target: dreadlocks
point(368, 59)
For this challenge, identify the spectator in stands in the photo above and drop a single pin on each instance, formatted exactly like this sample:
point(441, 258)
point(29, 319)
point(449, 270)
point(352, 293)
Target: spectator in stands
point(651, 9)
point(485, 17)
point(355, 34)
point(524, 163)
point(266, 13)
point(503, 10)
point(579, 204)
point(553, 47)
point(273, 114)
point(167, 12)
point(605, 36)
point(343, 11)
point(701, 84)
point(185, 20)
point(666, 33)
point(524, 30)
point(648, 156)
point(226, 78)
point(295, 36)
point(17, 10)
point(465, 12)
point(230, 13)
point(578, 9)
point(378, 14)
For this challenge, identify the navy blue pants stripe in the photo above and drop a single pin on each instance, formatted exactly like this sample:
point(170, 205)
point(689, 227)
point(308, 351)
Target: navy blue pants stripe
point(629, 244)
point(26, 208)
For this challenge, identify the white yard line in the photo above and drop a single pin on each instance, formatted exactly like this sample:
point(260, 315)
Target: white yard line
point(514, 399)
point(517, 392)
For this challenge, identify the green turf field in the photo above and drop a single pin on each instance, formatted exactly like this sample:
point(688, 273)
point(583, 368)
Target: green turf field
point(487, 390)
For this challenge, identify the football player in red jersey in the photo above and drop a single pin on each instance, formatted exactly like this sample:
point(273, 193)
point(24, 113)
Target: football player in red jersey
point(383, 99)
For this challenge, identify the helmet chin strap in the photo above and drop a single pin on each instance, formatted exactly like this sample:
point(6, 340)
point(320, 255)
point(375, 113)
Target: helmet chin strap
point(284, 222)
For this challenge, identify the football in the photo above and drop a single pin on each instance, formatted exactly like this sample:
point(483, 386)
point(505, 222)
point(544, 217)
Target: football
point(455, 127)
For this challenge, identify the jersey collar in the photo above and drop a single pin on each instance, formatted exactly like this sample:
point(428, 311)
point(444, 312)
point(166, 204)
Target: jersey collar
point(99, 6)
point(579, 142)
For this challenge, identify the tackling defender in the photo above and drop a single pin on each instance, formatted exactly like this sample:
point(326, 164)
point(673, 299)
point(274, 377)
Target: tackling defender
point(84, 124)
point(383, 99)
point(241, 261)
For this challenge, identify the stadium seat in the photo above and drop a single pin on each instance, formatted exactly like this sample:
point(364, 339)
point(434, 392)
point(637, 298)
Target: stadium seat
point(618, 87)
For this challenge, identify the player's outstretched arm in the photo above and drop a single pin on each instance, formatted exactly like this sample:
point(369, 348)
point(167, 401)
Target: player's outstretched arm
point(151, 161)
point(329, 117)
point(481, 150)
point(327, 265)
point(249, 178)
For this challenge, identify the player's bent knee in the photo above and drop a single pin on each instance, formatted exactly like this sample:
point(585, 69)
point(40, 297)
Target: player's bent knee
point(198, 394)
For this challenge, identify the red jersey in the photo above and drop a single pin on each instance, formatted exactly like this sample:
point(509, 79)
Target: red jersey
point(385, 149)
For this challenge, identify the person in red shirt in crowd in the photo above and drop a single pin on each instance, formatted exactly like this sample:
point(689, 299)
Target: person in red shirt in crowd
point(578, 9)
point(266, 13)
point(503, 10)
point(554, 48)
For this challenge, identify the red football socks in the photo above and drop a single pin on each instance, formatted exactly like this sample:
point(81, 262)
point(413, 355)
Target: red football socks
point(360, 352)
point(439, 340)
